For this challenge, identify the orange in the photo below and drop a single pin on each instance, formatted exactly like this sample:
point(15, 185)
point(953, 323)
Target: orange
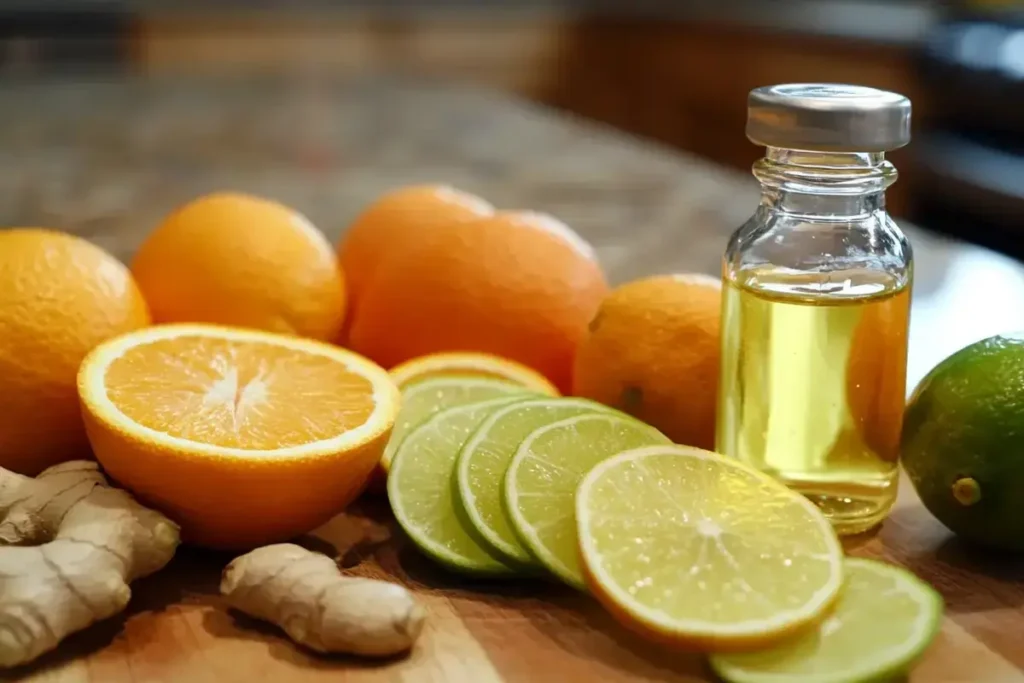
point(500, 285)
point(243, 437)
point(59, 297)
point(653, 351)
point(395, 219)
point(235, 259)
point(473, 364)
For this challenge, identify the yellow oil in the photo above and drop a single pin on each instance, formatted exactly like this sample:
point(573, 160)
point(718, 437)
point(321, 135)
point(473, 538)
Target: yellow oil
point(813, 385)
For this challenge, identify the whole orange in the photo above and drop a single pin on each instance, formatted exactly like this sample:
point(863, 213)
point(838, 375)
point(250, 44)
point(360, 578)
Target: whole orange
point(653, 351)
point(395, 219)
point(497, 284)
point(59, 297)
point(235, 259)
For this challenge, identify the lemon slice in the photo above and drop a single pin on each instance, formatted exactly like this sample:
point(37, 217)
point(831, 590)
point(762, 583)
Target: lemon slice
point(421, 488)
point(694, 548)
point(884, 621)
point(422, 399)
point(472, 364)
point(540, 485)
point(484, 460)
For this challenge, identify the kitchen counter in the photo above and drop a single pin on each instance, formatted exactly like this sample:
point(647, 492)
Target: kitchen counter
point(107, 160)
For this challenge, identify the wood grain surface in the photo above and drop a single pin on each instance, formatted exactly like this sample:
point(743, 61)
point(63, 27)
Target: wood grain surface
point(107, 159)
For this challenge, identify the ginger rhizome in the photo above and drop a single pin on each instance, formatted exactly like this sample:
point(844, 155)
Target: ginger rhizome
point(70, 544)
point(317, 606)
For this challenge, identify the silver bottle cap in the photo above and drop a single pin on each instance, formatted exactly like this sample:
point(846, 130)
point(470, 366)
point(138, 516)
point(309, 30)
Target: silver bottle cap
point(828, 117)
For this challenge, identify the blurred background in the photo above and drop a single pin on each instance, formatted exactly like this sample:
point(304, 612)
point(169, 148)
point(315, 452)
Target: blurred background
point(675, 71)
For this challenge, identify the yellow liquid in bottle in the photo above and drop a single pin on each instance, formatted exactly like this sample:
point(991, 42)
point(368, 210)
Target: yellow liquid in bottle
point(813, 385)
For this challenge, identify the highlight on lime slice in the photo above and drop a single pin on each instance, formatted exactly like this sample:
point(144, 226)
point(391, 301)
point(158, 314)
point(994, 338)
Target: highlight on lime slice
point(422, 399)
point(697, 549)
point(484, 460)
point(884, 621)
point(541, 482)
point(421, 491)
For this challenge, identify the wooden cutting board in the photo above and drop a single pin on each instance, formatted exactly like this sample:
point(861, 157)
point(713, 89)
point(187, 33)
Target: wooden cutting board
point(177, 629)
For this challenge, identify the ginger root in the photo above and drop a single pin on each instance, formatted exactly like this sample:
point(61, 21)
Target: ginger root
point(317, 606)
point(69, 545)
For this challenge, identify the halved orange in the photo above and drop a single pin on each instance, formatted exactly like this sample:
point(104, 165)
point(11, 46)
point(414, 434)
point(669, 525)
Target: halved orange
point(471, 363)
point(243, 437)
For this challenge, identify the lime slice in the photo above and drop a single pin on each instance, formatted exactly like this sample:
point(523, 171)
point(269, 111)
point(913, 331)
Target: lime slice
point(422, 399)
point(480, 472)
point(701, 550)
point(421, 489)
point(885, 619)
point(540, 485)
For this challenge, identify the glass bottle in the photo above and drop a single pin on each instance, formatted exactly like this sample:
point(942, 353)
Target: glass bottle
point(816, 302)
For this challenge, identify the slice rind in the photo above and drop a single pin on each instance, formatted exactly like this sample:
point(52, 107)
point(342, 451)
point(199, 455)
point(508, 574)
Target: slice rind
point(883, 622)
point(422, 493)
point(423, 398)
point(485, 458)
point(719, 555)
point(540, 485)
point(472, 364)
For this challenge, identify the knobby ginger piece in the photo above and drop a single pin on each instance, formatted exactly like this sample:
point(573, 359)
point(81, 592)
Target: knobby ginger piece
point(317, 606)
point(70, 544)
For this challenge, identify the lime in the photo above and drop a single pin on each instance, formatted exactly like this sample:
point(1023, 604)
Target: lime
point(421, 491)
point(540, 485)
point(422, 399)
point(963, 442)
point(485, 458)
point(885, 619)
point(701, 550)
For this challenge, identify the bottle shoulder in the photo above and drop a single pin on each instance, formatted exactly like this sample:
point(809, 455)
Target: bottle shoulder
point(802, 243)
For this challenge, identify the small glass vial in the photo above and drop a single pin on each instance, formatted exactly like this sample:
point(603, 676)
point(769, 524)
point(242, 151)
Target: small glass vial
point(816, 302)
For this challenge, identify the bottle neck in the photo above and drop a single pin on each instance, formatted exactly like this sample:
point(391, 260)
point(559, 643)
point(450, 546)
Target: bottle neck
point(824, 185)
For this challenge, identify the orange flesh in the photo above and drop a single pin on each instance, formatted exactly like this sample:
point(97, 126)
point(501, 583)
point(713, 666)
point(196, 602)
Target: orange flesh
point(237, 394)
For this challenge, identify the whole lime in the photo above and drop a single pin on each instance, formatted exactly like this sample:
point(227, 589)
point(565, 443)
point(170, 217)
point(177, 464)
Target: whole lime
point(963, 442)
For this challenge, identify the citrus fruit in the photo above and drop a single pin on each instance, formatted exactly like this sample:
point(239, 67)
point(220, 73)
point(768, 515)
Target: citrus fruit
point(422, 399)
point(235, 259)
point(243, 437)
point(421, 493)
point(963, 436)
point(397, 218)
point(652, 351)
point(470, 364)
point(690, 547)
point(540, 485)
point(884, 620)
point(498, 284)
point(484, 460)
point(59, 297)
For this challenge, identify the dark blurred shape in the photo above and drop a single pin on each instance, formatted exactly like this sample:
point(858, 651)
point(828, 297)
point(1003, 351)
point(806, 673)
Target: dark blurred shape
point(63, 36)
point(970, 175)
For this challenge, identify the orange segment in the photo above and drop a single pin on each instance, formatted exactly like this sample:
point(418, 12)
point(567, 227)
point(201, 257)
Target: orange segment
point(237, 393)
point(244, 437)
point(470, 363)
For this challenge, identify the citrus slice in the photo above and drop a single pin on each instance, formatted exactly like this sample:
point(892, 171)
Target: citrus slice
point(421, 490)
point(473, 364)
point(885, 619)
point(484, 460)
point(540, 485)
point(243, 437)
point(690, 547)
point(422, 399)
